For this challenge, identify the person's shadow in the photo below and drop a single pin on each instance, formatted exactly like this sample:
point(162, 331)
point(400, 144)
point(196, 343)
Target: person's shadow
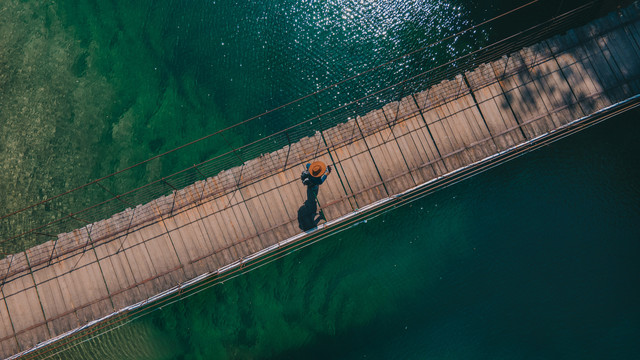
point(307, 214)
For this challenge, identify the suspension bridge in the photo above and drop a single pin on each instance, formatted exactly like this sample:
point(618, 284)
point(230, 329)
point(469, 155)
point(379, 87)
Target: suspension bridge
point(469, 121)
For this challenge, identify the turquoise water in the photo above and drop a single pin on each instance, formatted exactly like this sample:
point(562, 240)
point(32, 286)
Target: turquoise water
point(534, 259)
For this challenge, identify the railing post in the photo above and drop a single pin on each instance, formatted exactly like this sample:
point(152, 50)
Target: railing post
point(4, 280)
point(203, 177)
point(133, 214)
point(174, 194)
point(53, 250)
point(286, 133)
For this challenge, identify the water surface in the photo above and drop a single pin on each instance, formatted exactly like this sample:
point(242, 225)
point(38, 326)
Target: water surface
point(534, 259)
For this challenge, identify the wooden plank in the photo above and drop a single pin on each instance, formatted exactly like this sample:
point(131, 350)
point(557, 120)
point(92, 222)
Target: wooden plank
point(38, 255)
point(259, 206)
point(464, 116)
point(70, 242)
point(121, 280)
point(54, 301)
point(212, 188)
point(617, 50)
point(356, 179)
point(184, 198)
point(82, 276)
point(624, 51)
point(356, 163)
point(411, 109)
point(494, 107)
point(522, 94)
point(57, 301)
point(24, 308)
point(60, 317)
point(342, 134)
point(142, 268)
point(114, 259)
point(277, 205)
point(232, 222)
point(197, 241)
point(205, 253)
point(292, 197)
point(579, 72)
point(386, 152)
point(243, 224)
point(444, 139)
point(272, 201)
point(431, 102)
point(417, 145)
point(630, 16)
point(237, 224)
point(223, 244)
point(259, 210)
point(5, 267)
point(291, 190)
point(224, 240)
point(453, 133)
point(9, 345)
point(366, 166)
point(553, 89)
point(418, 149)
point(163, 255)
point(181, 249)
point(609, 77)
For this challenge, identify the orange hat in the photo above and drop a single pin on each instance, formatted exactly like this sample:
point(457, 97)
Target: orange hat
point(317, 168)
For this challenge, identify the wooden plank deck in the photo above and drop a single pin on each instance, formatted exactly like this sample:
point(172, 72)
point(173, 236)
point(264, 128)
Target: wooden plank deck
point(103, 267)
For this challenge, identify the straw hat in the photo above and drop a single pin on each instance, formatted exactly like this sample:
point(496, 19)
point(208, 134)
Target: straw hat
point(317, 168)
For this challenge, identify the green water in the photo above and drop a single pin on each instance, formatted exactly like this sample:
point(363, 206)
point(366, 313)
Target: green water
point(534, 259)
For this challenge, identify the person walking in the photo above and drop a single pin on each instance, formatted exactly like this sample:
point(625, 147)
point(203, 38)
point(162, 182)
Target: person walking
point(315, 174)
point(312, 177)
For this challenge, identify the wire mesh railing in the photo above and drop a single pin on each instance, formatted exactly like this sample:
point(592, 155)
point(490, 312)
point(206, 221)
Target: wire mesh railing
point(316, 112)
